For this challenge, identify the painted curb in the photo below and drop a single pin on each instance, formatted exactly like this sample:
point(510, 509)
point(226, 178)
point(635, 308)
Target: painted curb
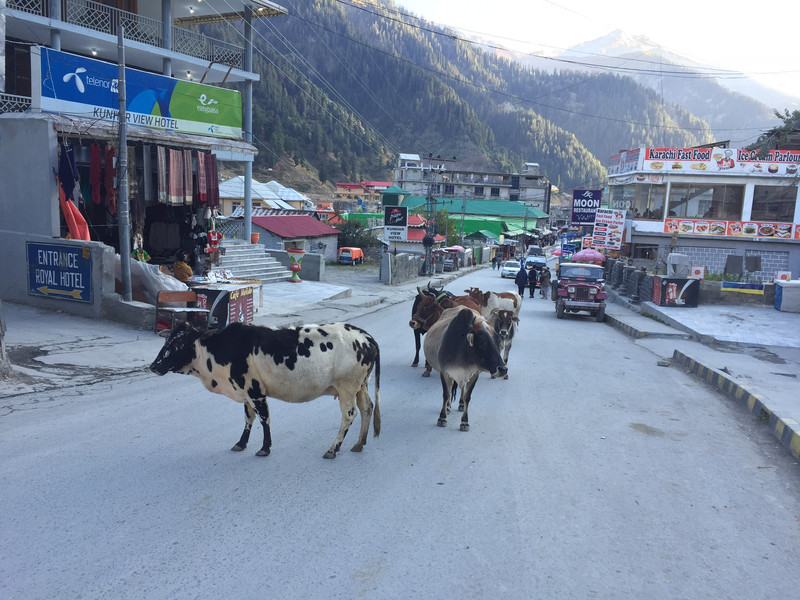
point(785, 430)
point(624, 327)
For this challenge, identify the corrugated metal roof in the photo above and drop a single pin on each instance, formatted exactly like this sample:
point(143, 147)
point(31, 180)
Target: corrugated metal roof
point(498, 208)
point(295, 226)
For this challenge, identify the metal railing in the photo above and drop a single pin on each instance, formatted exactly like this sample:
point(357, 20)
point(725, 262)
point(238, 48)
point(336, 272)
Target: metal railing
point(105, 19)
point(12, 103)
point(231, 228)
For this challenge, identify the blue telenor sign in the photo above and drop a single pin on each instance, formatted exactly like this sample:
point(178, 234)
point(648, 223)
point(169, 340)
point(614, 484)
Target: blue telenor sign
point(60, 271)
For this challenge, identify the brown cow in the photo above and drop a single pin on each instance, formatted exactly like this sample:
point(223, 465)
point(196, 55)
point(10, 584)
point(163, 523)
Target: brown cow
point(488, 301)
point(419, 331)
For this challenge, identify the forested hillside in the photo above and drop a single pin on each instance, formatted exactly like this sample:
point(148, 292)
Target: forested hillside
point(345, 87)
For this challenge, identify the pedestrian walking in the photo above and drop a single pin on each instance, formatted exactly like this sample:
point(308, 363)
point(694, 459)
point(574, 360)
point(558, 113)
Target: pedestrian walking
point(532, 279)
point(494, 262)
point(521, 280)
point(544, 282)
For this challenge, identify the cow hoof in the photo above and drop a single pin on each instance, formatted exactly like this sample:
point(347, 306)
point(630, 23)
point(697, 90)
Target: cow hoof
point(441, 422)
point(415, 364)
point(357, 448)
point(426, 374)
point(464, 427)
point(329, 454)
point(263, 452)
point(238, 448)
point(506, 377)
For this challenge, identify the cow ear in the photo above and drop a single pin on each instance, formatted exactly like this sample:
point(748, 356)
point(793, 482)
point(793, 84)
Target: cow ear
point(471, 339)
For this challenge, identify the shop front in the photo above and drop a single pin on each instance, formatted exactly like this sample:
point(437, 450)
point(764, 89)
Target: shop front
point(710, 203)
point(69, 197)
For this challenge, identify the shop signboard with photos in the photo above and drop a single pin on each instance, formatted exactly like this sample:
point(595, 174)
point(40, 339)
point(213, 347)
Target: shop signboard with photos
point(747, 229)
point(609, 229)
point(727, 161)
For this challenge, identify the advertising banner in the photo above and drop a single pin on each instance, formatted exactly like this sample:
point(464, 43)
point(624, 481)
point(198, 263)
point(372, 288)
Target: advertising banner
point(395, 223)
point(754, 229)
point(609, 227)
point(584, 205)
point(728, 161)
point(86, 87)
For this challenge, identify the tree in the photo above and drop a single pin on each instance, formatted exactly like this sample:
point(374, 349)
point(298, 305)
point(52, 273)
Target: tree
point(778, 136)
point(354, 233)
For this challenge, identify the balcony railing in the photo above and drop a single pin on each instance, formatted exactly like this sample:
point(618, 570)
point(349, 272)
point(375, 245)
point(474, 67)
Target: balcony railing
point(102, 18)
point(13, 103)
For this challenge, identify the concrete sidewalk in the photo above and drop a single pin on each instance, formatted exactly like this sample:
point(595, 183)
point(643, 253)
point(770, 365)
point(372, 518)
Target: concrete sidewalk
point(750, 354)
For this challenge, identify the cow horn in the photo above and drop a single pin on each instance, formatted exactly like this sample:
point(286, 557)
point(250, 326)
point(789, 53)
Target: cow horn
point(470, 338)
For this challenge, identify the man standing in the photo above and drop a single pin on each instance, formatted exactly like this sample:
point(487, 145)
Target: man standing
point(522, 281)
point(532, 279)
point(544, 282)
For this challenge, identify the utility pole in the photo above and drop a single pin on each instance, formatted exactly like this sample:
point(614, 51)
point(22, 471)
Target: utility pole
point(430, 204)
point(122, 180)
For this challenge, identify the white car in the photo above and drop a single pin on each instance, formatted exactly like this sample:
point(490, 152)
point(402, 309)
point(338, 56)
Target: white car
point(509, 268)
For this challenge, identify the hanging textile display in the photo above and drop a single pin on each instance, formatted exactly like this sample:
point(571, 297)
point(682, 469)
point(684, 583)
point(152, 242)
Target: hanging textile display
point(136, 186)
point(161, 153)
point(187, 177)
point(147, 175)
point(95, 177)
point(133, 181)
point(67, 169)
point(202, 185)
point(212, 180)
point(78, 229)
point(108, 181)
point(175, 193)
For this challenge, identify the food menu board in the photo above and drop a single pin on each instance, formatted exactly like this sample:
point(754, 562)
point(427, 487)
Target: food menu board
point(609, 226)
point(754, 229)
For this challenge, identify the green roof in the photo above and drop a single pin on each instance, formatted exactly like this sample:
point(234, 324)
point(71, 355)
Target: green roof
point(496, 208)
point(395, 189)
point(362, 217)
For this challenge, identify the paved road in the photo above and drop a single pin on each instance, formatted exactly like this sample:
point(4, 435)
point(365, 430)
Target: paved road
point(613, 478)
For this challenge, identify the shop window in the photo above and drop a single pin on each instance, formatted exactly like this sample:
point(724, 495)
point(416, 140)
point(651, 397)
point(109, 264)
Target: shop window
point(774, 203)
point(706, 201)
point(649, 202)
point(495, 192)
point(622, 197)
point(479, 190)
point(645, 251)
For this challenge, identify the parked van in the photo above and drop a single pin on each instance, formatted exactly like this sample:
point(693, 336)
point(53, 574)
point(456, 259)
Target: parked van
point(350, 256)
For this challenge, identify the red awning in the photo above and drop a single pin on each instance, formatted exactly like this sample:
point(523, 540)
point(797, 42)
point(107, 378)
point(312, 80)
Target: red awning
point(294, 226)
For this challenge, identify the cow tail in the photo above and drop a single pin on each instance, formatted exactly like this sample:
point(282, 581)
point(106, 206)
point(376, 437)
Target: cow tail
point(376, 415)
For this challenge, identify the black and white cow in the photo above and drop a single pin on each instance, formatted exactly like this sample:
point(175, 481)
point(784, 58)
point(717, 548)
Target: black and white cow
point(248, 363)
point(504, 323)
point(459, 346)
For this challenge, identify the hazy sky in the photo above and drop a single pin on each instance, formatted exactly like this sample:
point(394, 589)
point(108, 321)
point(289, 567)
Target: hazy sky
point(758, 38)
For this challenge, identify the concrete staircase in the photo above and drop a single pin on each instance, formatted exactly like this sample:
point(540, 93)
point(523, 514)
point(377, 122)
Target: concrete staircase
point(251, 261)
